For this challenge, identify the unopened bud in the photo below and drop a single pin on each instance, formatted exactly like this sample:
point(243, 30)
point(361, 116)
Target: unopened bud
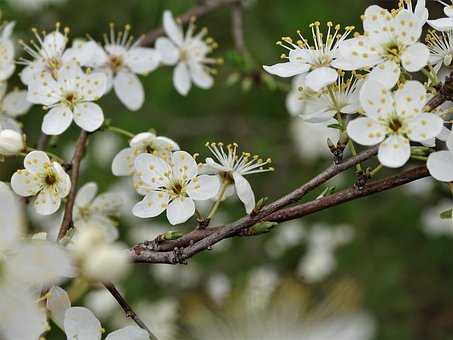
point(11, 142)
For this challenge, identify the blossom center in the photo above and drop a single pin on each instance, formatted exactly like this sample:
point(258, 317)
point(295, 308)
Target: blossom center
point(116, 63)
point(178, 189)
point(70, 99)
point(50, 178)
point(393, 51)
point(184, 55)
point(395, 125)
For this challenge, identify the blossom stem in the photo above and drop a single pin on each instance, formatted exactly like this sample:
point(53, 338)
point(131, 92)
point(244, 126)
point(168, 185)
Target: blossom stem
point(216, 205)
point(430, 75)
point(354, 153)
point(376, 170)
point(120, 131)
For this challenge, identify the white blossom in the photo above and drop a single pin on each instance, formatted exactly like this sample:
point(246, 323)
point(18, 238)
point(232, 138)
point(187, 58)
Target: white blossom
point(44, 179)
point(12, 105)
point(393, 120)
point(121, 60)
point(441, 52)
point(172, 186)
point(390, 39)
point(232, 167)
point(440, 163)
point(317, 61)
point(96, 211)
point(70, 97)
point(189, 53)
point(11, 142)
point(433, 224)
point(145, 142)
point(444, 24)
point(7, 63)
point(47, 54)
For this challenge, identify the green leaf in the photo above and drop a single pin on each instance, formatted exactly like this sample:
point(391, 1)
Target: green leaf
point(335, 126)
point(446, 214)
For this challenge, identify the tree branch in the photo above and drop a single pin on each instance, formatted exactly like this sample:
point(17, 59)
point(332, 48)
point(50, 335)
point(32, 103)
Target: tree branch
point(79, 151)
point(128, 309)
point(197, 11)
point(179, 255)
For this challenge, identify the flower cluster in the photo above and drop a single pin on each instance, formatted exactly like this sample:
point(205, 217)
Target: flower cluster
point(363, 85)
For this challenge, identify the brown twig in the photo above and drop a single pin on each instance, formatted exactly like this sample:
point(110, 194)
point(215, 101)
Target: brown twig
point(237, 28)
point(197, 11)
point(79, 151)
point(198, 240)
point(130, 313)
point(256, 216)
point(42, 141)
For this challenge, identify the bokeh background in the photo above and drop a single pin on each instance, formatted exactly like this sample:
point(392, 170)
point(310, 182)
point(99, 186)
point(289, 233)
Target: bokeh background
point(381, 267)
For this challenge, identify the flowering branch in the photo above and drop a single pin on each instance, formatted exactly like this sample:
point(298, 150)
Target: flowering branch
point(67, 223)
point(197, 11)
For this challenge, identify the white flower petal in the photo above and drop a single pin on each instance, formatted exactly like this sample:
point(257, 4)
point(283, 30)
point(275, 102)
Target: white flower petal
point(443, 24)
point(57, 304)
point(168, 51)
point(44, 90)
point(440, 165)
point(93, 86)
point(86, 194)
point(54, 44)
point(80, 323)
point(288, 69)
point(376, 19)
point(129, 90)
point(450, 142)
point(41, 263)
point(200, 76)
point(366, 131)
point(153, 170)
point(128, 333)
point(181, 79)
point(172, 28)
point(180, 210)
point(394, 152)
point(16, 104)
point(406, 28)
point(320, 77)
point(35, 161)
point(425, 126)
point(142, 60)
point(415, 57)
point(123, 163)
point(47, 202)
point(203, 187)
point(57, 120)
point(244, 192)
point(183, 165)
point(107, 204)
point(386, 73)
point(88, 116)
point(376, 99)
point(11, 218)
point(410, 99)
point(152, 204)
point(25, 184)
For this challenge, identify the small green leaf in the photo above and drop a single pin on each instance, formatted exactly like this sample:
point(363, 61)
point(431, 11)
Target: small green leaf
point(335, 126)
point(445, 215)
point(326, 192)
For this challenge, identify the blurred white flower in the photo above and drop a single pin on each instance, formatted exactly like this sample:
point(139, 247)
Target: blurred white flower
point(440, 163)
point(319, 261)
point(44, 179)
point(105, 146)
point(12, 105)
point(101, 303)
point(172, 186)
point(7, 62)
point(97, 211)
point(433, 224)
point(145, 142)
point(70, 97)
point(288, 235)
point(311, 139)
point(11, 142)
point(189, 53)
point(231, 167)
point(441, 52)
point(318, 62)
point(33, 5)
point(218, 287)
point(98, 258)
point(121, 60)
point(393, 120)
point(181, 277)
point(421, 187)
point(389, 40)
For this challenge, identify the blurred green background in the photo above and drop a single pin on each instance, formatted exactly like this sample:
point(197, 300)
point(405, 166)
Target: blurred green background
point(391, 269)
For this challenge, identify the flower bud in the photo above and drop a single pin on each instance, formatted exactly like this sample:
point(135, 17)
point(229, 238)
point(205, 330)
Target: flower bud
point(11, 142)
point(107, 263)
